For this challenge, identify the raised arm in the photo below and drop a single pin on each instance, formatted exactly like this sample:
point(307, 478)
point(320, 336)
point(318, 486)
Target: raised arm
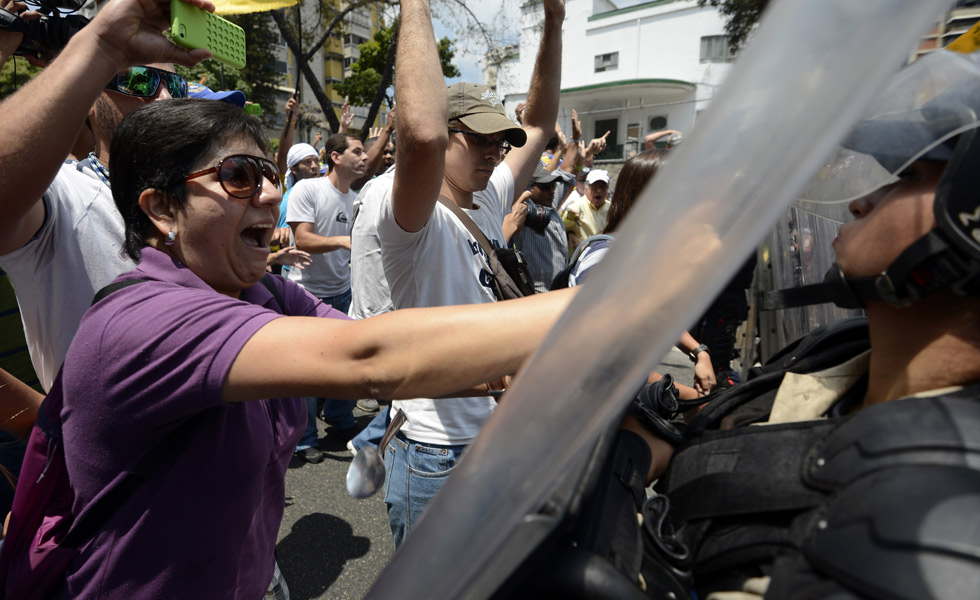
point(288, 133)
point(653, 138)
point(572, 154)
point(40, 122)
point(423, 352)
point(423, 116)
point(542, 97)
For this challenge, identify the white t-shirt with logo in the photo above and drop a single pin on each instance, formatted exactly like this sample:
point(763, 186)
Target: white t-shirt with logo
point(369, 286)
point(317, 201)
point(442, 264)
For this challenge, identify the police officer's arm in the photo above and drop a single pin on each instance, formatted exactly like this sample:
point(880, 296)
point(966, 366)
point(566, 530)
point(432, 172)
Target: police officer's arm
point(40, 122)
point(660, 451)
point(423, 116)
point(542, 97)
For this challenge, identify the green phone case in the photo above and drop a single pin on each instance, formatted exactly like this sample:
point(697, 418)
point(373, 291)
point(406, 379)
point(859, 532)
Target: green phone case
point(192, 28)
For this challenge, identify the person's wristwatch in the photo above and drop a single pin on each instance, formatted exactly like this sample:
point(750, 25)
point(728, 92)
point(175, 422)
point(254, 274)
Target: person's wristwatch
point(694, 353)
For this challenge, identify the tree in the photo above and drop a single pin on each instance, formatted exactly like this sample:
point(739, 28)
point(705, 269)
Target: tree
point(454, 12)
point(15, 73)
point(741, 17)
point(258, 79)
point(362, 86)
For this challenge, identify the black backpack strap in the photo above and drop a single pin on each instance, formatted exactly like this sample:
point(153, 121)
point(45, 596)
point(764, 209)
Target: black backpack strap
point(267, 282)
point(114, 287)
point(560, 281)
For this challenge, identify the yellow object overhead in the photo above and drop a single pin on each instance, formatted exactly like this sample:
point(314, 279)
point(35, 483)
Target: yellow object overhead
point(967, 43)
point(241, 7)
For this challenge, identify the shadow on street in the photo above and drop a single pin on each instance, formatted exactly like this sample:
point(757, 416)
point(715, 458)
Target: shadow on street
point(313, 554)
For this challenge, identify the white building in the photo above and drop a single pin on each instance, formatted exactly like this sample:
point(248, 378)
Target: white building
point(631, 71)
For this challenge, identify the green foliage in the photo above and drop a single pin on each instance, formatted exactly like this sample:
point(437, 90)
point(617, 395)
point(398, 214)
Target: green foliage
point(9, 82)
point(740, 17)
point(259, 77)
point(361, 86)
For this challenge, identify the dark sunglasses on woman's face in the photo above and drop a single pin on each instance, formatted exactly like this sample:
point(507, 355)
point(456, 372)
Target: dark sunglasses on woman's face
point(144, 82)
point(241, 175)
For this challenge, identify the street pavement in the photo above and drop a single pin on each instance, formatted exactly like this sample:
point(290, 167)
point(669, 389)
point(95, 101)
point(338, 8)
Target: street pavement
point(332, 546)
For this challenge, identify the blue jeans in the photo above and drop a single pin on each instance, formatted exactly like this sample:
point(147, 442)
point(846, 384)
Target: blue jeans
point(372, 434)
point(341, 301)
point(337, 413)
point(415, 472)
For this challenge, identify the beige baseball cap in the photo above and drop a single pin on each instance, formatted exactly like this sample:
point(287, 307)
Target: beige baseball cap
point(479, 108)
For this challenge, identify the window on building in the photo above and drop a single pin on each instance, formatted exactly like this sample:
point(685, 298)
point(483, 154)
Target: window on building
point(716, 49)
point(281, 66)
point(606, 62)
point(348, 61)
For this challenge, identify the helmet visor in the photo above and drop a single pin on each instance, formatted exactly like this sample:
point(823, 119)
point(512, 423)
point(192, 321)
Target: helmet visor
point(917, 117)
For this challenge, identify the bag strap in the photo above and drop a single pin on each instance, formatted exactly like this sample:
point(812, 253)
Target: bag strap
point(267, 282)
point(114, 287)
point(496, 268)
point(560, 280)
point(599, 237)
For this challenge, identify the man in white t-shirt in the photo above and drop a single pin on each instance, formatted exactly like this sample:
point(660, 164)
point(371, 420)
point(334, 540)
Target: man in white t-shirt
point(319, 214)
point(61, 237)
point(449, 146)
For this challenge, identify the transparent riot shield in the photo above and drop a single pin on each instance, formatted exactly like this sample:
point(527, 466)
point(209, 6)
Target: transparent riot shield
point(798, 88)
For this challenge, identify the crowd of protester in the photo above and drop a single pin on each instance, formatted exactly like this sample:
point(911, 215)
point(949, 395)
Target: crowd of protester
point(194, 304)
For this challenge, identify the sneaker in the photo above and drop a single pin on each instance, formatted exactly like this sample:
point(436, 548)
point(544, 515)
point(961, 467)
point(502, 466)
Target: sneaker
point(369, 405)
point(350, 446)
point(311, 455)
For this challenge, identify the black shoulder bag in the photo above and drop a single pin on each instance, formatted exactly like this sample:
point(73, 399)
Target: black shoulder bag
point(512, 278)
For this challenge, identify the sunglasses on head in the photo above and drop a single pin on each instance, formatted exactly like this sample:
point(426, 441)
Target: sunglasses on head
point(144, 82)
point(241, 175)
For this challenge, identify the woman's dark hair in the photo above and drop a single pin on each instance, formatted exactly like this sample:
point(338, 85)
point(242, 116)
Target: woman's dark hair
point(157, 145)
point(632, 179)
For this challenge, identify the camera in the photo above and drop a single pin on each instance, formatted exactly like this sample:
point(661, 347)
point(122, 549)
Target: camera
point(48, 34)
point(537, 217)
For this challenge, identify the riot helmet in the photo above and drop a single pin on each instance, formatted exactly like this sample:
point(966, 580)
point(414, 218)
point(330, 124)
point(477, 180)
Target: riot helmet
point(929, 111)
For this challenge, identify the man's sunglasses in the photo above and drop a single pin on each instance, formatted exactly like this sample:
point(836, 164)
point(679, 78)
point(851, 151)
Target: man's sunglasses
point(241, 175)
point(484, 141)
point(144, 82)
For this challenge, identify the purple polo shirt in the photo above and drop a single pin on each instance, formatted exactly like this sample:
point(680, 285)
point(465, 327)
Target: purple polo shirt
point(144, 360)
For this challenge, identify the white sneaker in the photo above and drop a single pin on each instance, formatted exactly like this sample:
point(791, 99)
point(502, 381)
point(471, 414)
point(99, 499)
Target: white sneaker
point(350, 446)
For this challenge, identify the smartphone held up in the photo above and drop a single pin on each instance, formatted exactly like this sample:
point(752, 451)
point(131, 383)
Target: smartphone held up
point(192, 27)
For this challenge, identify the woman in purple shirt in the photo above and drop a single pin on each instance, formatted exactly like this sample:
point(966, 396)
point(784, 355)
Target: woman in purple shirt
point(199, 339)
